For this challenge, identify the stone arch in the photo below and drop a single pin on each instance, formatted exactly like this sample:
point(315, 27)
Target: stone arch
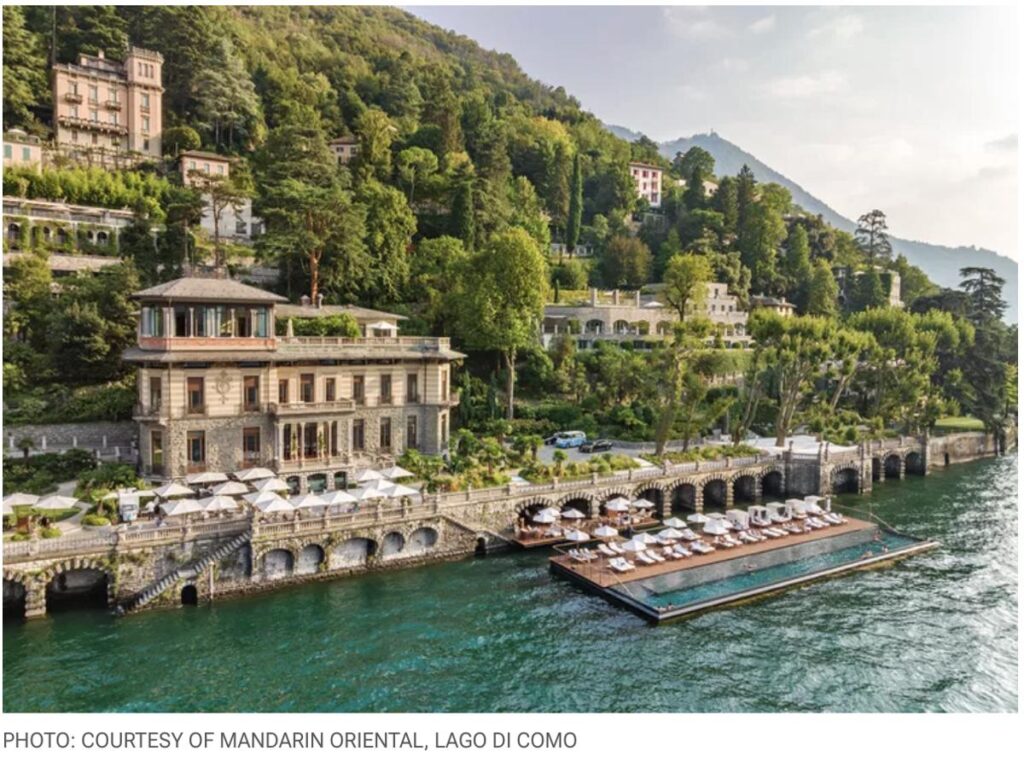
point(654, 493)
point(745, 487)
point(614, 493)
point(102, 238)
point(914, 463)
point(294, 484)
point(352, 552)
point(317, 483)
point(773, 483)
point(189, 595)
point(891, 465)
point(13, 233)
point(529, 507)
point(594, 326)
point(581, 501)
point(80, 582)
point(392, 545)
point(621, 327)
point(664, 328)
point(278, 564)
point(310, 558)
point(15, 596)
point(846, 479)
point(876, 468)
point(683, 497)
point(421, 540)
point(714, 492)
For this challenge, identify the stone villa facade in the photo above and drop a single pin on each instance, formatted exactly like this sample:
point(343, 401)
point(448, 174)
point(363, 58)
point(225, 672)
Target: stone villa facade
point(105, 109)
point(219, 390)
point(647, 179)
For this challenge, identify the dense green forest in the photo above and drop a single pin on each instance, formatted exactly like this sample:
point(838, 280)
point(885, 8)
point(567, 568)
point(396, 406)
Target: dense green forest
point(467, 171)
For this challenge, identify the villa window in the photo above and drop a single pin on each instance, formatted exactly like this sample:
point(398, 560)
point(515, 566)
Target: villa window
point(261, 317)
point(359, 389)
point(444, 428)
point(243, 324)
point(444, 385)
point(227, 322)
point(334, 438)
point(282, 391)
point(251, 390)
point(196, 448)
point(330, 390)
point(411, 432)
point(195, 400)
point(7, 152)
point(307, 388)
point(155, 392)
point(358, 435)
point(156, 450)
point(250, 445)
point(94, 94)
point(145, 124)
point(385, 388)
point(152, 321)
point(412, 388)
point(385, 433)
point(145, 101)
point(26, 153)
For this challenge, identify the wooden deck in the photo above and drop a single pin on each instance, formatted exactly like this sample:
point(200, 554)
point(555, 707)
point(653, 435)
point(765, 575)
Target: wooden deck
point(600, 575)
point(587, 526)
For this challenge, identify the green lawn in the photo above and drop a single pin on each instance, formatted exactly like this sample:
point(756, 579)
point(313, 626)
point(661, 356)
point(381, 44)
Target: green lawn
point(960, 424)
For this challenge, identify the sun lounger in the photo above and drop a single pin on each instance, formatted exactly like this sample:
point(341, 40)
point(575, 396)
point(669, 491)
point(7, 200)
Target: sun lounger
point(655, 556)
point(670, 553)
point(605, 550)
point(641, 557)
point(616, 547)
point(735, 542)
point(682, 551)
point(619, 565)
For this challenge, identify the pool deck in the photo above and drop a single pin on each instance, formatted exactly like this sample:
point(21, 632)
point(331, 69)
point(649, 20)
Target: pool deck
point(596, 577)
point(587, 526)
point(598, 572)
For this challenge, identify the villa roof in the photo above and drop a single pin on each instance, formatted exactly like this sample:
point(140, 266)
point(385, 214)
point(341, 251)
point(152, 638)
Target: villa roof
point(288, 352)
point(770, 301)
point(206, 155)
point(328, 310)
point(210, 289)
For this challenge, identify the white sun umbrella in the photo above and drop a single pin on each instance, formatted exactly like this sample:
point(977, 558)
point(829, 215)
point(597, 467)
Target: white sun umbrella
point(231, 488)
point(364, 493)
point(571, 513)
point(619, 504)
point(181, 507)
point(172, 490)
point(56, 503)
point(646, 538)
point(380, 484)
point(335, 498)
point(644, 504)
point(715, 527)
point(606, 532)
point(218, 504)
point(634, 545)
point(669, 534)
point(366, 475)
point(545, 516)
point(276, 505)
point(396, 473)
point(402, 490)
point(517, 480)
point(260, 497)
point(309, 501)
point(697, 517)
point(675, 522)
point(205, 478)
point(20, 500)
point(577, 535)
point(550, 512)
point(253, 473)
point(272, 484)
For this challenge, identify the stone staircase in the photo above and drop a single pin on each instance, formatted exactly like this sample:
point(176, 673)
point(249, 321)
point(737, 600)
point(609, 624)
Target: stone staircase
point(183, 573)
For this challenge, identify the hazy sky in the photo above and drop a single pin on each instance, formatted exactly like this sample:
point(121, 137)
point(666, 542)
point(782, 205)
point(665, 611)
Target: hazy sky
point(911, 110)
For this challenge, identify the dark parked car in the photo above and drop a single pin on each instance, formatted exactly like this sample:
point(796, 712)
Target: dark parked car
point(596, 446)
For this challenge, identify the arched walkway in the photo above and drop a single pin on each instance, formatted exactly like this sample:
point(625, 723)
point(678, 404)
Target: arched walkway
point(914, 463)
point(714, 494)
point(892, 464)
point(582, 503)
point(846, 480)
point(15, 598)
point(773, 485)
point(684, 498)
point(744, 488)
point(311, 557)
point(77, 588)
point(353, 552)
point(421, 540)
point(392, 545)
point(654, 495)
point(278, 564)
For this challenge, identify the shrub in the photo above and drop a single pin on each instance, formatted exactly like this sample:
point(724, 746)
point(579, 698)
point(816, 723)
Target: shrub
point(95, 520)
point(50, 532)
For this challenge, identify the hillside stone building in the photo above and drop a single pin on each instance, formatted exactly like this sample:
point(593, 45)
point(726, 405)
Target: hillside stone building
point(219, 390)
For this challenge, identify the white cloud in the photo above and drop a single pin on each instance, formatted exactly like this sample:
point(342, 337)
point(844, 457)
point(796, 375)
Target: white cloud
point(845, 26)
point(762, 25)
point(805, 86)
point(693, 23)
point(731, 64)
point(1005, 144)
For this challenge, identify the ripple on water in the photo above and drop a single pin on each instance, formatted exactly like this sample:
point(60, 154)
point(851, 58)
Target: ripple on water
point(936, 632)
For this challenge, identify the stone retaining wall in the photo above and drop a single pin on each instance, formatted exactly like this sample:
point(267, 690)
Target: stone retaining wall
point(57, 438)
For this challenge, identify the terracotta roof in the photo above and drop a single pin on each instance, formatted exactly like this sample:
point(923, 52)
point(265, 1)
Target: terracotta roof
point(210, 289)
point(206, 155)
point(327, 310)
point(286, 353)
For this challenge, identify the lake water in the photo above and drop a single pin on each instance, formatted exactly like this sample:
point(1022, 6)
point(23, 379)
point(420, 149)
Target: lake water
point(934, 632)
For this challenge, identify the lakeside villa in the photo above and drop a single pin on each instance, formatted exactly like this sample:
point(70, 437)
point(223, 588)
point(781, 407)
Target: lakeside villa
point(219, 390)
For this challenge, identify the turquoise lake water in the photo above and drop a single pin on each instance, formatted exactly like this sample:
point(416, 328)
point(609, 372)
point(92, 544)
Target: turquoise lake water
point(936, 631)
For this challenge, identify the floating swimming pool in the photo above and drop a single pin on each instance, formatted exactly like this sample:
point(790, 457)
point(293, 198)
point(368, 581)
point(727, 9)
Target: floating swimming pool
point(658, 599)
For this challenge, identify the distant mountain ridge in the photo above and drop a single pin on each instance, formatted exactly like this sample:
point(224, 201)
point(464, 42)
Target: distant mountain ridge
point(940, 262)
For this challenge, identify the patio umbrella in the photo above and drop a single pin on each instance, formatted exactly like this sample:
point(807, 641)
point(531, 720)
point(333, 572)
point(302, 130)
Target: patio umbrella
point(20, 500)
point(218, 504)
point(335, 498)
point(633, 545)
point(670, 534)
point(260, 497)
point(309, 501)
point(545, 516)
point(715, 527)
point(675, 522)
point(366, 475)
point(552, 511)
point(606, 532)
point(644, 504)
point(171, 490)
point(396, 473)
point(402, 490)
point(380, 484)
point(272, 484)
point(570, 513)
point(697, 517)
point(364, 493)
point(56, 503)
point(205, 478)
point(517, 480)
point(619, 504)
point(276, 505)
point(646, 538)
point(116, 494)
point(231, 488)
point(576, 535)
point(253, 473)
point(181, 507)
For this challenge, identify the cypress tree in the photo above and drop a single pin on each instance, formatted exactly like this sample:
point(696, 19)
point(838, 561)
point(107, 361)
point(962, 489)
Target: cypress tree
point(572, 228)
point(463, 222)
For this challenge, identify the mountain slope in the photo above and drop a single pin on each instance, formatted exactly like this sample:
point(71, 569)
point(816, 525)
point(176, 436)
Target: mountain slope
point(941, 263)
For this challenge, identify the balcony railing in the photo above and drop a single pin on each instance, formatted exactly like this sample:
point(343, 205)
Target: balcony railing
point(148, 411)
point(195, 409)
point(94, 125)
point(420, 343)
point(73, 98)
point(111, 104)
point(282, 409)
